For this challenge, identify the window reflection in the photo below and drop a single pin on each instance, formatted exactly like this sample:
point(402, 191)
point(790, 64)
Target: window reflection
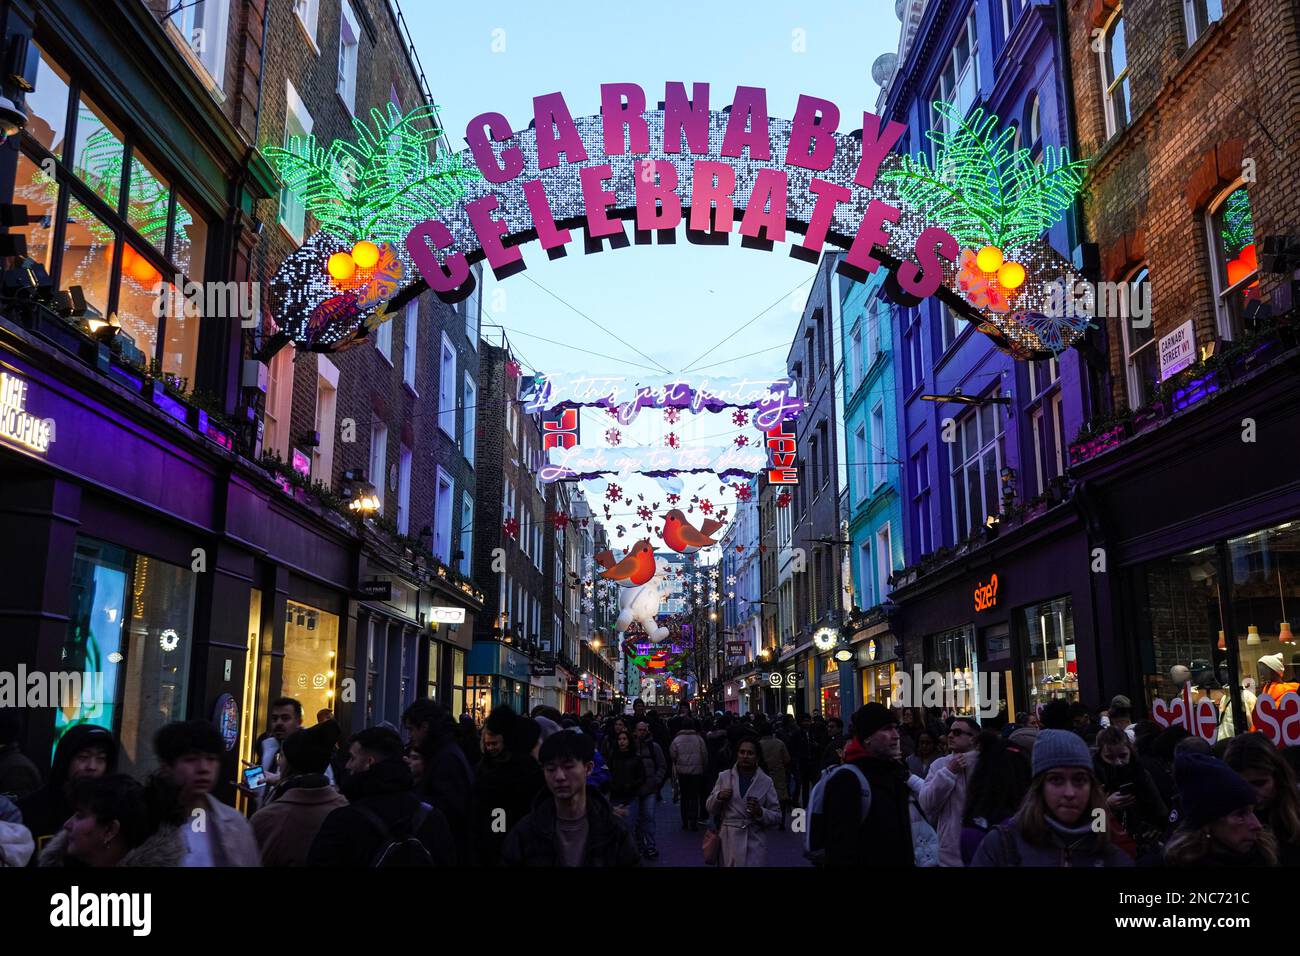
point(1265, 593)
point(40, 194)
point(150, 197)
point(87, 254)
point(47, 107)
point(191, 246)
point(99, 154)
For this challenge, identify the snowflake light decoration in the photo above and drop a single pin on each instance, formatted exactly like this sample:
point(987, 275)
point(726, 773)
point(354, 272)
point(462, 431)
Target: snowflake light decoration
point(739, 418)
point(644, 513)
point(613, 436)
point(706, 506)
point(671, 439)
point(513, 368)
point(673, 499)
point(783, 500)
point(559, 520)
point(741, 441)
point(731, 580)
point(671, 415)
point(743, 492)
point(511, 527)
point(613, 493)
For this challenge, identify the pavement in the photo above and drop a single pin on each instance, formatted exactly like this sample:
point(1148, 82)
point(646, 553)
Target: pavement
point(678, 847)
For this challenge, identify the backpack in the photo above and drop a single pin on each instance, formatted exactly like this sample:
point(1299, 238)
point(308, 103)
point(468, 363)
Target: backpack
point(814, 838)
point(397, 850)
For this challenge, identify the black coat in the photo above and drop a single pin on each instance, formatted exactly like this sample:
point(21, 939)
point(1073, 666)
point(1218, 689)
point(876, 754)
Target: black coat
point(46, 810)
point(448, 784)
point(511, 785)
point(532, 843)
point(884, 838)
point(347, 838)
point(626, 776)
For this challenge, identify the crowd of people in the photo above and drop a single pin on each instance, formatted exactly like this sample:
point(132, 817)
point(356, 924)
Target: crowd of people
point(1063, 787)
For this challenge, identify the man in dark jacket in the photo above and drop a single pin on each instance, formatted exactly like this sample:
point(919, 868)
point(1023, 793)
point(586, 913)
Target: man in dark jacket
point(571, 823)
point(85, 752)
point(884, 838)
point(383, 808)
point(833, 752)
point(448, 781)
point(506, 781)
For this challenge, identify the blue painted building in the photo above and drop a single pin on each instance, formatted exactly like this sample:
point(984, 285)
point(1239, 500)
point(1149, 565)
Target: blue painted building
point(874, 501)
point(983, 490)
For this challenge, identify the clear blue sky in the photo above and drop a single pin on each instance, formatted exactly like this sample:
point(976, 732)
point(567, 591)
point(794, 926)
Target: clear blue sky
point(672, 303)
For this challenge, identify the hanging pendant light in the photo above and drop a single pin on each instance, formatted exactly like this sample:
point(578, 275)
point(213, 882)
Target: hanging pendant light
point(1284, 629)
point(1252, 635)
point(1223, 642)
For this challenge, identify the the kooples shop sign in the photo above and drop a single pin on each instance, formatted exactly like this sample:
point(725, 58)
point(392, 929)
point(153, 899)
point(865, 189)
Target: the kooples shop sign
point(17, 425)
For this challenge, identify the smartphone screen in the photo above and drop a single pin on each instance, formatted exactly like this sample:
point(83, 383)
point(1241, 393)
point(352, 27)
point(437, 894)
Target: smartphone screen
point(254, 778)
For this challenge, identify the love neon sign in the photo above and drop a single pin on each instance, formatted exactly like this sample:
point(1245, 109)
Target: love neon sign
point(781, 446)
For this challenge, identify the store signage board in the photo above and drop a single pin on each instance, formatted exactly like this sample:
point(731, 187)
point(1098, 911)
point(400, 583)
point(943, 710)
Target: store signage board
point(1177, 350)
point(447, 615)
point(543, 669)
point(781, 446)
point(17, 425)
point(376, 590)
point(986, 595)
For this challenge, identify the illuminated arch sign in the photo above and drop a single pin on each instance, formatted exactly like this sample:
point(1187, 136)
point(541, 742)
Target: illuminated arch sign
point(736, 170)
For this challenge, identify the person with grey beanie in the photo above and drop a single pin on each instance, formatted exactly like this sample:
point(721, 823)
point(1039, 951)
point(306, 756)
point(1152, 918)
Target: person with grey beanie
point(1063, 820)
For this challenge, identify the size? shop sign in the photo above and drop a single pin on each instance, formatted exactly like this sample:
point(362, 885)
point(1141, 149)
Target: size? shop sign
point(17, 426)
point(986, 595)
point(781, 447)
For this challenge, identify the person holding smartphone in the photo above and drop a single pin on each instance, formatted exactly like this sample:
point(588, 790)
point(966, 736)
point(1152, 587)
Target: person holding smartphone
point(745, 803)
point(1131, 794)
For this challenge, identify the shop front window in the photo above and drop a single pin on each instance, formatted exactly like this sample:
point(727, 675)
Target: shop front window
point(952, 656)
point(458, 700)
point(1184, 637)
point(1049, 651)
point(1265, 593)
point(311, 643)
point(431, 678)
point(129, 638)
point(478, 696)
point(878, 684)
point(1236, 265)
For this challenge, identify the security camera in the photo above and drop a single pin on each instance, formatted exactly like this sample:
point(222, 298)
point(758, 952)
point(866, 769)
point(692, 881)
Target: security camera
point(12, 119)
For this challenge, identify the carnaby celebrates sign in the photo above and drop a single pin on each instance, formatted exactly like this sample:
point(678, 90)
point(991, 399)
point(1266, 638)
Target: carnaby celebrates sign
point(681, 163)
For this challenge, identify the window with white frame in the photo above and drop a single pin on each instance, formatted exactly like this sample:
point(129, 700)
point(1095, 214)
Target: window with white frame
point(202, 26)
point(866, 576)
point(1236, 267)
point(855, 358)
point(947, 328)
point(1043, 373)
point(915, 368)
point(403, 490)
point(349, 45)
point(860, 459)
point(975, 458)
point(327, 393)
point(921, 501)
point(384, 340)
point(884, 562)
point(411, 343)
point(466, 532)
point(1198, 15)
point(379, 460)
point(1034, 124)
point(308, 12)
point(878, 445)
point(297, 122)
point(1048, 429)
point(447, 388)
point(960, 80)
point(1114, 74)
point(471, 413)
point(878, 315)
point(442, 518)
point(279, 403)
point(471, 307)
point(1141, 357)
point(1010, 12)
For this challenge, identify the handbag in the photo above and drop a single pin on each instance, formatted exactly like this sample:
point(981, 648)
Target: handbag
point(711, 846)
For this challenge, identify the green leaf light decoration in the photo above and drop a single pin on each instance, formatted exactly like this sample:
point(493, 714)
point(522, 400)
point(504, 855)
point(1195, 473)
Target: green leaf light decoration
point(1238, 226)
point(985, 192)
point(377, 187)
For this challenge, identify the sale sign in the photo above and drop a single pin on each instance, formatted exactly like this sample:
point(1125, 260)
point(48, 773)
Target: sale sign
point(1200, 719)
point(1279, 720)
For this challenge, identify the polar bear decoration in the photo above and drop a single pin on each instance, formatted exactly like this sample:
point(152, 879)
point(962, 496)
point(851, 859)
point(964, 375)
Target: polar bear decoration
point(641, 604)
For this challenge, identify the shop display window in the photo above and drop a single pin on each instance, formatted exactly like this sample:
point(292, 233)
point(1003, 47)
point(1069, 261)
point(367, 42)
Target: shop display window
point(878, 684)
point(1265, 592)
point(311, 643)
point(1052, 669)
point(952, 655)
point(129, 638)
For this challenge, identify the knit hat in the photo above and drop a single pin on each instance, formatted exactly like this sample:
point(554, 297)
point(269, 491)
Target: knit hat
point(1209, 789)
point(1273, 662)
point(1120, 702)
point(1059, 748)
point(309, 750)
point(548, 727)
point(870, 718)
